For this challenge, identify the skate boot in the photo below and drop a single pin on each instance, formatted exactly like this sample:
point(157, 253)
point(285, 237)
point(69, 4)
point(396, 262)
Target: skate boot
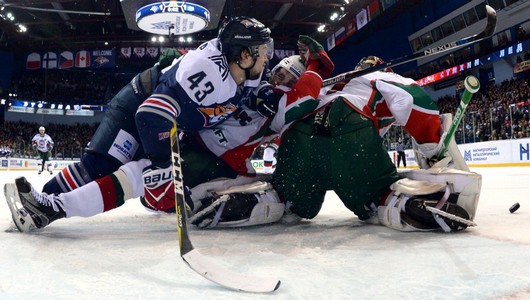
point(30, 209)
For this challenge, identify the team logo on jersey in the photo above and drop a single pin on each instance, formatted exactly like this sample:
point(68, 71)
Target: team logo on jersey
point(214, 115)
point(220, 61)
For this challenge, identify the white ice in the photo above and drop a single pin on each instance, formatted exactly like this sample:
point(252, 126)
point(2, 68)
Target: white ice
point(132, 254)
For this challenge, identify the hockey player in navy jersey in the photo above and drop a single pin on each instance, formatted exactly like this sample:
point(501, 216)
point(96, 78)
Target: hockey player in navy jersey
point(241, 135)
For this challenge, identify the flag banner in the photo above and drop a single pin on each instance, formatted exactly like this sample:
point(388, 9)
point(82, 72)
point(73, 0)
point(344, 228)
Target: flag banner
point(350, 28)
point(33, 61)
point(82, 59)
point(66, 60)
point(125, 52)
point(152, 52)
point(340, 36)
point(49, 60)
point(139, 52)
point(362, 18)
point(374, 9)
point(386, 4)
point(103, 59)
point(330, 42)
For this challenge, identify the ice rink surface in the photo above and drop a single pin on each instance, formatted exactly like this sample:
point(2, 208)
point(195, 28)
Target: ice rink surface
point(131, 254)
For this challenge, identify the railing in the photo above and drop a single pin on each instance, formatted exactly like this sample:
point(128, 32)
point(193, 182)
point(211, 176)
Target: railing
point(483, 124)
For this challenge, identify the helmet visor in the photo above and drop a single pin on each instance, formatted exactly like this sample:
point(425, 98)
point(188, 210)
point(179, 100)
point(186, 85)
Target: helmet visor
point(268, 50)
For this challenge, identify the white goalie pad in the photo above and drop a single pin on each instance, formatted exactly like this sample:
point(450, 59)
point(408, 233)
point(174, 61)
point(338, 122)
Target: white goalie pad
point(466, 184)
point(391, 214)
point(210, 188)
point(267, 208)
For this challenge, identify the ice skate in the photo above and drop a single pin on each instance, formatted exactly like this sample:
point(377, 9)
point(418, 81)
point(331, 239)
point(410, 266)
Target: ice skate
point(30, 209)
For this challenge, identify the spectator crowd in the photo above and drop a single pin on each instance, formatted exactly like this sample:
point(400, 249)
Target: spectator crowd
point(496, 112)
point(70, 140)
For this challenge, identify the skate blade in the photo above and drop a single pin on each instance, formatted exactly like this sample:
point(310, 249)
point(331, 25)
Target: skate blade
point(21, 218)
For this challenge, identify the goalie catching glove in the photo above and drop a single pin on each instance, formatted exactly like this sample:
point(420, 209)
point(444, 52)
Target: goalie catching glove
point(314, 56)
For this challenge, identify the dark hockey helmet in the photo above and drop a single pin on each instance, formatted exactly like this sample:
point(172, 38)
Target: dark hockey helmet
point(238, 33)
point(370, 61)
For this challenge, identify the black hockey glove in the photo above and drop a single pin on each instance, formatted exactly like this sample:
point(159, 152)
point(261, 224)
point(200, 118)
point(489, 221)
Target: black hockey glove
point(265, 100)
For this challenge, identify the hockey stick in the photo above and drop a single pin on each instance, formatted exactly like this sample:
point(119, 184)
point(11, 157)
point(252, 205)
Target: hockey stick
point(488, 31)
point(471, 85)
point(193, 258)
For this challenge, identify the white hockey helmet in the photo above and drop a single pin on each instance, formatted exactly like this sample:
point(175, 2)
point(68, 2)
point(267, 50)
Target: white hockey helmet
point(293, 65)
point(42, 130)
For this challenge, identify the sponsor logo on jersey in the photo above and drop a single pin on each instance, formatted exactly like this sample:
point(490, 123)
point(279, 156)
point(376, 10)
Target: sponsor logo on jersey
point(214, 115)
point(123, 149)
point(127, 145)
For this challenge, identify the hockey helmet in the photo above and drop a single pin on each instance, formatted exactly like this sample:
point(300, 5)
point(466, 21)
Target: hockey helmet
point(238, 33)
point(370, 61)
point(293, 65)
point(42, 130)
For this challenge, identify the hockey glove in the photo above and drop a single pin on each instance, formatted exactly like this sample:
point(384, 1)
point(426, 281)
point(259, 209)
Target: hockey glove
point(315, 58)
point(159, 194)
point(265, 100)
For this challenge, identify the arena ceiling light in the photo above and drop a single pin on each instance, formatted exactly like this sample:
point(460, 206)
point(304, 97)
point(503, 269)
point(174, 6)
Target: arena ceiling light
point(172, 17)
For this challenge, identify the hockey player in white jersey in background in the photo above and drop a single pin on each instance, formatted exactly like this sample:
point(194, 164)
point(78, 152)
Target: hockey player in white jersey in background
point(42, 143)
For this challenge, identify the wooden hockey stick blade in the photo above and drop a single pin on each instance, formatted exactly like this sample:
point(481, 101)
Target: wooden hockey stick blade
point(491, 24)
point(227, 278)
point(193, 258)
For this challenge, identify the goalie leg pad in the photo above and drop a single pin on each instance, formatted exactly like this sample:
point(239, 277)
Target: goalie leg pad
point(246, 205)
point(406, 209)
point(211, 188)
point(466, 185)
